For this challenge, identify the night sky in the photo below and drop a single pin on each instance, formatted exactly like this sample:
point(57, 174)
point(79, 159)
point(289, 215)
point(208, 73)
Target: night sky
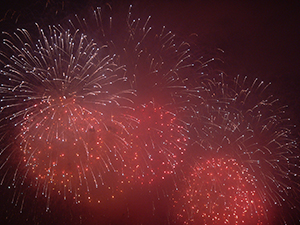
point(251, 38)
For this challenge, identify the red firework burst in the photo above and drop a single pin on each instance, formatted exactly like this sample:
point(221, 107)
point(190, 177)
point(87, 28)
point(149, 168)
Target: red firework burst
point(65, 103)
point(72, 158)
point(72, 106)
point(235, 121)
point(91, 108)
point(158, 140)
point(220, 191)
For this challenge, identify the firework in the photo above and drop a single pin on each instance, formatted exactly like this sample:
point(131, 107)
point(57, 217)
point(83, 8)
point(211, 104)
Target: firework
point(158, 142)
point(79, 111)
point(63, 98)
point(157, 63)
point(221, 192)
point(235, 122)
point(158, 75)
point(109, 108)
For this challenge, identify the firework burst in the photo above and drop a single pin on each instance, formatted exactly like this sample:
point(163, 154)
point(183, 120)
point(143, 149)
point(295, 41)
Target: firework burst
point(157, 63)
point(158, 75)
point(159, 140)
point(84, 115)
point(63, 99)
point(97, 107)
point(221, 192)
point(235, 122)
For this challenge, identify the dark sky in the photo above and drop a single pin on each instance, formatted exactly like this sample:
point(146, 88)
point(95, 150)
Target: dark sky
point(257, 38)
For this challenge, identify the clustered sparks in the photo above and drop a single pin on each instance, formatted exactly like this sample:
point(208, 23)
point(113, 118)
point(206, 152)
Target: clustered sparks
point(221, 192)
point(158, 141)
point(89, 112)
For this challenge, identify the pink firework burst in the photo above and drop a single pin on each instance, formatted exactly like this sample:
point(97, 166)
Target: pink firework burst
point(220, 191)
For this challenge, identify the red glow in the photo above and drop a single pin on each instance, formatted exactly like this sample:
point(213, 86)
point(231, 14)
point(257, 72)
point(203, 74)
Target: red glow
point(220, 192)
